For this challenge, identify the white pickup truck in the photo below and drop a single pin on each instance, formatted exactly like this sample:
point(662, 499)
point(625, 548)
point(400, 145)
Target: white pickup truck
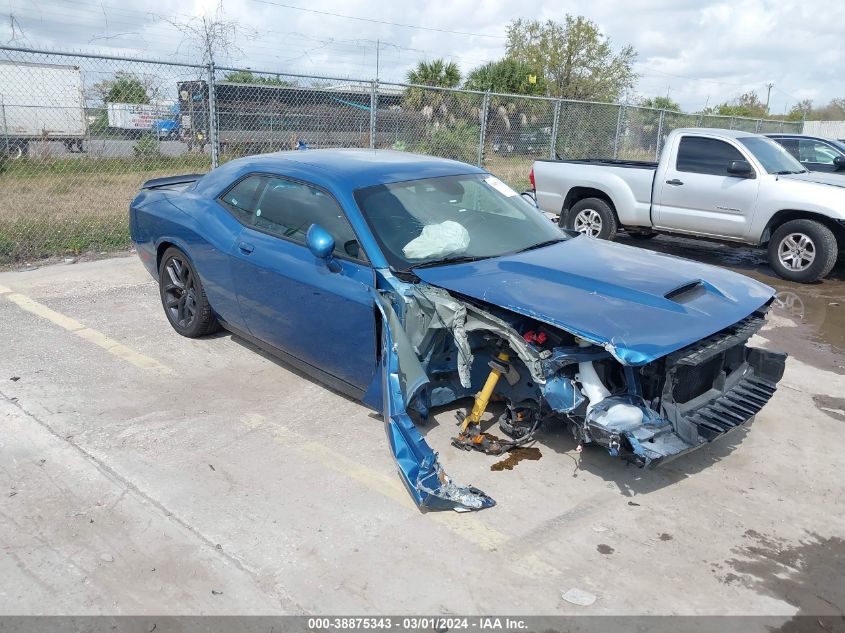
point(726, 185)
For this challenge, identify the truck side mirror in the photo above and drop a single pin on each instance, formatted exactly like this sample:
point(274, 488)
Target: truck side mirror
point(741, 169)
point(839, 163)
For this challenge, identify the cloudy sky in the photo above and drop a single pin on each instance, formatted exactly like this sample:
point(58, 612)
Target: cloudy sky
point(699, 52)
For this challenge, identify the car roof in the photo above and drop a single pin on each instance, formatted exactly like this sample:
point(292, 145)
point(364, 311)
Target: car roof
point(347, 169)
point(714, 131)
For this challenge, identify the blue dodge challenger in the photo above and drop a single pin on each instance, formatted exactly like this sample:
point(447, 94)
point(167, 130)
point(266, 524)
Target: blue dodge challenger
point(411, 282)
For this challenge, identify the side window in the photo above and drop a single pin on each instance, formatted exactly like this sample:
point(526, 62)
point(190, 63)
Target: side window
point(288, 209)
point(815, 152)
point(242, 198)
point(706, 155)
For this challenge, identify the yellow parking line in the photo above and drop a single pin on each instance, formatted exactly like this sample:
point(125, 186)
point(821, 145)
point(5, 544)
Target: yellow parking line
point(138, 359)
point(467, 526)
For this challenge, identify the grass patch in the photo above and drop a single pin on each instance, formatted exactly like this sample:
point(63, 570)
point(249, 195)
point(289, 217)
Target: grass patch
point(33, 167)
point(23, 239)
point(512, 169)
point(72, 206)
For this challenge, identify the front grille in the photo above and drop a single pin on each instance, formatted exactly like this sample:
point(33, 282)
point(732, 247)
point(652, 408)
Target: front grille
point(704, 349)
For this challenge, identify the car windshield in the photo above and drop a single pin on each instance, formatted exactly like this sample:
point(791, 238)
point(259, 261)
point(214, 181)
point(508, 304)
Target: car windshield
point(452, 218)
point(773, 156)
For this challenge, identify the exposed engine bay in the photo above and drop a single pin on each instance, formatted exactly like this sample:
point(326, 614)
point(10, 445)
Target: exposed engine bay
point(439, 347)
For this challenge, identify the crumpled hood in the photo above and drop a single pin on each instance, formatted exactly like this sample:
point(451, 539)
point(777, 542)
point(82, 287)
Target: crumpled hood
point(639, 304)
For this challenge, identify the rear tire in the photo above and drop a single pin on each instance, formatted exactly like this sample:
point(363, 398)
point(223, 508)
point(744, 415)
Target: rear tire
point(802, 251)
point(183, 297)
point(592, 217)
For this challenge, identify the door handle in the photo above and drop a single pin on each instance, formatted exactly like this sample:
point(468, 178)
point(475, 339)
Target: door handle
point(246, 247)
point(675, 182)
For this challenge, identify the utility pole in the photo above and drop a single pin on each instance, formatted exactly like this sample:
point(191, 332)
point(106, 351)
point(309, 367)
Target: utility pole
point(769, 85)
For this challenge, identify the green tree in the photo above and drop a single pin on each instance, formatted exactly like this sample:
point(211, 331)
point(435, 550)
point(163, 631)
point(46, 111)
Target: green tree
point(247, 77)
point(833, 111)
point(800, 111)
point(124, 88)
point(508, 76)
point(435, 105)
point(575, 58)
point(745, 105)
point(661, 103)
point(438, 72)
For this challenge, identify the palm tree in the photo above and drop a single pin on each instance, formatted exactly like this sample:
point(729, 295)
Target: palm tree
point(434, 105)
point(438, 73)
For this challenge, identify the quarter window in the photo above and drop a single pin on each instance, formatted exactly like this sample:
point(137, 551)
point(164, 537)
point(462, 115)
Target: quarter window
point(242, 199)
point(701, 155)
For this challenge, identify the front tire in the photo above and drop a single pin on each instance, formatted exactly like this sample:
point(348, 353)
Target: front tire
point(183, 296)
point(802, 250)
point(592, 217)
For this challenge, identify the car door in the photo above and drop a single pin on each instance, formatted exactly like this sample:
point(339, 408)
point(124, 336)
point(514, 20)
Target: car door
point(295, 302)
point(697, 194)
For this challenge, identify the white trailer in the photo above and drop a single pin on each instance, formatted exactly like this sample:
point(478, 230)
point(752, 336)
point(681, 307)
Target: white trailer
point(40, 102)
point(135, 118)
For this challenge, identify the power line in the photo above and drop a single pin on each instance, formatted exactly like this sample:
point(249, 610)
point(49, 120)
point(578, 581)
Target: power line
point(163, 21)
point(375, 21)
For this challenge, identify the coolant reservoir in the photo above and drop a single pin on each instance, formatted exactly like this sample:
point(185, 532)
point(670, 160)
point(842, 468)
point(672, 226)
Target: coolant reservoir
point(617, 415)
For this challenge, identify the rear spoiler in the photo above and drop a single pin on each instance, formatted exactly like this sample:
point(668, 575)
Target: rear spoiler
point(184, 179)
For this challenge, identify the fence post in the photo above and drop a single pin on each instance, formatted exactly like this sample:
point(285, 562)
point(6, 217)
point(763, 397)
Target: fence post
point(373, 108)
point(758, 126)
point(555, 120)
point(732, 123)
point(659, 135)
point(482, 133)
point(618, 129)
point(213, 136)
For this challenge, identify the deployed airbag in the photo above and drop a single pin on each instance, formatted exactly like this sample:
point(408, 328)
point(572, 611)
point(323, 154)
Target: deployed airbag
point(438, 240)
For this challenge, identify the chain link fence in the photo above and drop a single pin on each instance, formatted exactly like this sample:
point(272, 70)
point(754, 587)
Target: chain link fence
point(80, 133)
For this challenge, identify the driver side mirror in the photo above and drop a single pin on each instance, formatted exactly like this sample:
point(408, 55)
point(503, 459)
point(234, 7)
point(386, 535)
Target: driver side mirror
point(321, 244)
point(839, 163)
point(741, 169)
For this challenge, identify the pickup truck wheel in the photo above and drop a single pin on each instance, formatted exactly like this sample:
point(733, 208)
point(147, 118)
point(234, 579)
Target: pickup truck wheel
point(183, 296)
point(593, 217)
point(802, 251)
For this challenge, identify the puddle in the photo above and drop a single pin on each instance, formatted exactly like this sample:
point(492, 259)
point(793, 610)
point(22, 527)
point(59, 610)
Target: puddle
point(808, 575)
point(812, 316)
point(517, 455)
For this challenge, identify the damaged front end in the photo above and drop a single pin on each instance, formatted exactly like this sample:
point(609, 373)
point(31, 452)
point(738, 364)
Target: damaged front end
point(438, 348)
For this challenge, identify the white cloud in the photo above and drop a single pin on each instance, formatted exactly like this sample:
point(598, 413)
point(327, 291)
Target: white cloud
point(699, 51)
